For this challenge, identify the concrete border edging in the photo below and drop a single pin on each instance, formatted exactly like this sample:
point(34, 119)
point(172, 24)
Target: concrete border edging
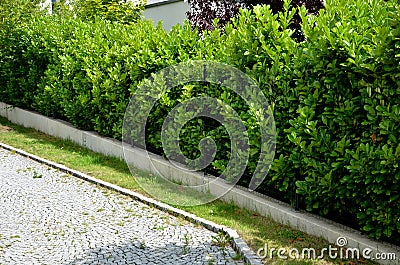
point(264, 205)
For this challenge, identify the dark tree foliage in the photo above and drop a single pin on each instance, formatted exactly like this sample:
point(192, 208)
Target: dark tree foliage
point(203, 12)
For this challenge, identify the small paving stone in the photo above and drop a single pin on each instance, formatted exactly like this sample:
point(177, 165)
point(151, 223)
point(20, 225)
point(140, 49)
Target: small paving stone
point(48, 217)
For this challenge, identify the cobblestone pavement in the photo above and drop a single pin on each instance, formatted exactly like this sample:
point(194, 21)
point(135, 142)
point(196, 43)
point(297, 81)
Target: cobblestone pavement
point(47, 217)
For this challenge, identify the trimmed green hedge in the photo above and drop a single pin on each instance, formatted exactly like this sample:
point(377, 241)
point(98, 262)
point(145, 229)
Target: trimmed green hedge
point(347, 131)
point(336, 96)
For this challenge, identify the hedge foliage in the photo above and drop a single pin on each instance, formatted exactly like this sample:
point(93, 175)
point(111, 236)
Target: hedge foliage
point(347, 127)
point(110, 10)
point(335, 96)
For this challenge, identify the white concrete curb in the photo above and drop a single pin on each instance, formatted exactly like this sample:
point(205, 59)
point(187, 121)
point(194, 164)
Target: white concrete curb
point(278, 211)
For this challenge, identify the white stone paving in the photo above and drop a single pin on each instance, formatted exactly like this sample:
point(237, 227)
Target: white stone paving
point(48, 217)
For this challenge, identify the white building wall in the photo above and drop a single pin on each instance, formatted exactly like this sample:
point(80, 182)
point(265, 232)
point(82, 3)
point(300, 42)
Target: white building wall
point(171, 12)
